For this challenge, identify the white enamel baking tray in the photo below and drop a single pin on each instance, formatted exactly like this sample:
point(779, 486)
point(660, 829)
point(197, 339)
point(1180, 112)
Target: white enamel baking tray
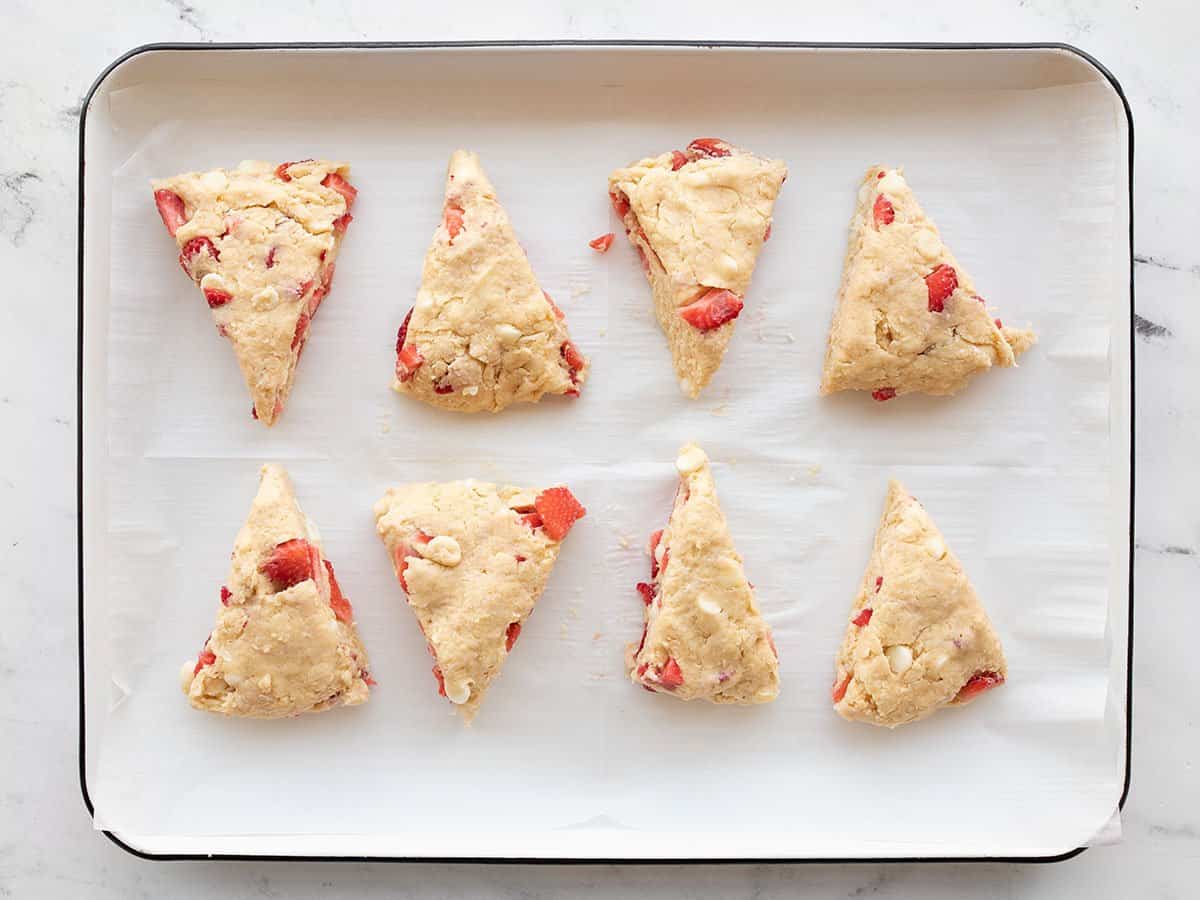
point(1021, 154)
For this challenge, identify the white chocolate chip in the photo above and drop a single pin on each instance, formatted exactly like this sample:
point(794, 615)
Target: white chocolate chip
point(660, 551)
point(264, 683)
point(936, 546)
point(891, 181)
point(266, 299)
point(425, 304)
point(707, 605)
point(443, 550)
point(507, 334)
point(212, 282)
point(929, 245)
point(458, 692)
point(728, 266)
point(215, 181)
point(690, 460)
point(899, 657)
point(470, 390)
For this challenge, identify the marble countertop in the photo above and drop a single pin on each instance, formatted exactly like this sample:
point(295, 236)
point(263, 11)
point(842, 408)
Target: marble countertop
point(47, 845)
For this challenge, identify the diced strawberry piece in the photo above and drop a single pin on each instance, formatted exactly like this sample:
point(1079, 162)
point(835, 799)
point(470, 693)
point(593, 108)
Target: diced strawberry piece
point(217, 297)
point(666, 559)
point(863, 617)
point(303, 288)
point(254, 412)
point(452, 218)
point(999, 324)
point(709, 147)
point(206, 658)
point(519, 558)
point(878, 583)
point(884, 212)
point(225, 595)
point(194, 247)
point(289, 563)
point(647, 592)
point(839, 689)
point(443, 388)
point(337, 600)
point(342, 222)
point(559, 511)
point(642, 256)
point(511, 635)
point(533, 520)
point(981, 300)
point(281, 171)
point(572, 356)
point(407, 363)
point(558, 313)
point(602, 243)
point(402, 334)
point(977, 684)
point(880, 173)
point(403, 552)
point(170, 207)
point(336, 182)
point(941, 283)
point(678, 160)
point(767, 233)
point(301, 329)
point(882, 394)
point(671, 676)
point(620, 203)
point(712, 309)
point(653, 546)
point(366, 676)
point(271, 258)
point(437, 673)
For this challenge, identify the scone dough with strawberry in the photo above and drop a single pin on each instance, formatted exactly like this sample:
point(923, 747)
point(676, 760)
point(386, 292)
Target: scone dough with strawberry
point(703, 636)
point(698, 219)
point(473, 559)
point(918, 637)
point(285, 641)
point(908, 317)
point(483, 335)
point(261, 242)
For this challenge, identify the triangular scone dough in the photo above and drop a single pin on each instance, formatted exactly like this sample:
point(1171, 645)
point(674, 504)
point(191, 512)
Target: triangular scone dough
point(261, 242)
point(698, 219)
point(473, 559)
point(918, 637)
point(703, 637)
point(483, 334)
point(908, 318)
point(285, 641)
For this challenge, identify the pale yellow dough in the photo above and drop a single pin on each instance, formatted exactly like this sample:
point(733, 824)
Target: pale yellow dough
point(277, 652)
point(884, 337)
point(479, 573)
point(486, 333)
point(703, 617)
point(927, 634)
point(253, 216)
point(700, 226)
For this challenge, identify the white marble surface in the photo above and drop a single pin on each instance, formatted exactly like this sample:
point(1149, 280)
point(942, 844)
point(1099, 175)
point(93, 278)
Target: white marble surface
point(50, 56)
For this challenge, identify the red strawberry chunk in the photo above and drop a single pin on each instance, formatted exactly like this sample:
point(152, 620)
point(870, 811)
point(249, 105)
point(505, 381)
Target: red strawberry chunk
point(402, 334)
point(271, 258)
point(653, 546)
point(678, 160)
point(573, 358)
point(366, 676)
point(437, 673)
point(452, 218)
point(281, 171)
point(225, 595)
point(878, 583)
point(671, 676)
point(839, 689)
point(289, 563)
point(407, 362)
point(336, 182)
point(647, 592)
point(880, 174)
point(619, 201)
point(342, 222)
point(206, 658)
point(337, 600)
point(403, 552)
point(301, 330)
point(713, 308)
point(217, 297)
point(559, 511)
point(194, 247)
point(443, 388)
point(170, 207)
point(882, 394)
point(999, 324)
point(602, 243)
point(709, 147)
point(533, 520)
point(510, 636)
point(884, 212)
point(977, 684)
point(767, 233)
point(558, 313)
point(863, 617)
point(941, 283)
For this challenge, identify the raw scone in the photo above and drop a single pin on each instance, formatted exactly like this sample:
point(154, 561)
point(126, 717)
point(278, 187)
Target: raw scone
point(261, 242)
point(473, 559)
point(483, 334)
point(918, 638)
point(908, 318)
point(703, 637)
point(285, 641)
point(698, 219)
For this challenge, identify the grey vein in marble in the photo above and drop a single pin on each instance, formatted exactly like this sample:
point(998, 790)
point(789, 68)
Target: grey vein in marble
point(1154, 262)
point(17, 209)
point(1167, 549)
point(1147, 329)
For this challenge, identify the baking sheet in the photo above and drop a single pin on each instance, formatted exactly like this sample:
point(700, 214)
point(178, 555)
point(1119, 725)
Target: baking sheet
point(1025, 472)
